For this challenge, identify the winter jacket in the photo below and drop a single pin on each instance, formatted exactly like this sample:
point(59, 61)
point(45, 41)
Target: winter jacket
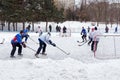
point(83, 32)
point(25, 32)
point(45, 38)
point(17, 39)
point(95, 35)
point(91, 34)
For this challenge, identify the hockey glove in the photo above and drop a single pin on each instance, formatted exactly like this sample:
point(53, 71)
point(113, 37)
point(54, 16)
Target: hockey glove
point(23, 44)
point(81, 33)
point(50, 42)
point(53, 44)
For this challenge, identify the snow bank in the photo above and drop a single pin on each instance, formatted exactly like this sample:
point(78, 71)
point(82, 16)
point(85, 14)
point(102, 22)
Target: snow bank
point(67, 69)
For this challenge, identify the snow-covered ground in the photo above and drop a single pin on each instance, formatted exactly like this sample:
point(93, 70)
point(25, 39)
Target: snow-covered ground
point(79, 65)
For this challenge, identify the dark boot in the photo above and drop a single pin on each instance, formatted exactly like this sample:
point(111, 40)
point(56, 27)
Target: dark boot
point(43, 53)
point(36, 55)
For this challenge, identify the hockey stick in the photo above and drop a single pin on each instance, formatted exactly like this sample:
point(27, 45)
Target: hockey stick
point(33, 40)
point(62, 50)
point(82, 43)
point(2, 41)
point(79, 41)
point(31, 48)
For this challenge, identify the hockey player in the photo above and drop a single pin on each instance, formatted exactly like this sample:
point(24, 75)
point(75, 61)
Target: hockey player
point(43, 41)
point(88, 29)
point(39, 30)
point(17, 42)
point(64, 31)
point(84, 34)
point(95, 39)
point(25, 34)
point(90, 36)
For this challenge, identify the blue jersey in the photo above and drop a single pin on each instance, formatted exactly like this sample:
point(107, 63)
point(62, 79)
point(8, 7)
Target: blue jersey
point(25, 31)
point(83, 32)
point(17, 39)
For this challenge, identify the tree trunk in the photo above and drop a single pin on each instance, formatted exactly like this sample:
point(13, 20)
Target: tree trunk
point(32, 26)
point(2, 27)
point(46, 25)
point(23, 25)
point(8, 26)
point(16, 26)
point(13, 26)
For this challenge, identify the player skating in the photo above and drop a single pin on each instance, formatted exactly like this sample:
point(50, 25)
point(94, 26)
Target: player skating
point(25, 34)
point(95, 39)
point(64, 32)
point(43, 41)
point(84, 34)
point(17, 42)
point(39, 30)
point(90, 36)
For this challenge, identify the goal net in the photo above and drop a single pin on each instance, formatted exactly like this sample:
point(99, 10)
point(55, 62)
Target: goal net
point(67, 34)
point(108, 47)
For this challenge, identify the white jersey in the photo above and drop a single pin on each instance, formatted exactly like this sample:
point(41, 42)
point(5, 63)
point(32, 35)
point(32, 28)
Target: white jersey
point(95, 35)
point(91, 34)
point(45, 37)
point(39, 30)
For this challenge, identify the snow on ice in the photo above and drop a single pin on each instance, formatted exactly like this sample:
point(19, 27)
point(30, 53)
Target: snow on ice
point(79, 65)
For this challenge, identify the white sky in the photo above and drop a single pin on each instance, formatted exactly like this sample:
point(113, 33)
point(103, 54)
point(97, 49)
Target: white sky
point(79, 65)
point(118, 1)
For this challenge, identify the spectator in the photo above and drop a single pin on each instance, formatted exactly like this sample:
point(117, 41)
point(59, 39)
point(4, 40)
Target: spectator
point(29, 26)
point(50, 28)
point(116, 29)
point(106, 29)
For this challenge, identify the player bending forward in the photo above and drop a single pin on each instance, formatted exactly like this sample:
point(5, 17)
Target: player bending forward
point(43, 41)
point(17, 42)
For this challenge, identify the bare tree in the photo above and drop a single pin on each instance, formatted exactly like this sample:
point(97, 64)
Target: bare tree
point(118, 11)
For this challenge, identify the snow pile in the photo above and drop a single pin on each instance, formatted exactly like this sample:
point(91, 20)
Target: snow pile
point(67, 69)
point(79, 65)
